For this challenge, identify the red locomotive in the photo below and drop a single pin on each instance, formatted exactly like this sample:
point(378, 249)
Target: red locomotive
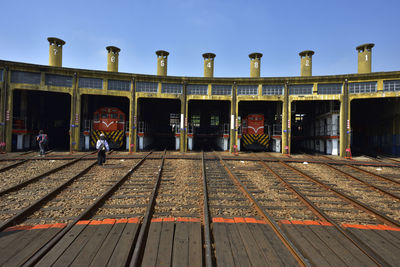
point(109, 121)
point(254, 136)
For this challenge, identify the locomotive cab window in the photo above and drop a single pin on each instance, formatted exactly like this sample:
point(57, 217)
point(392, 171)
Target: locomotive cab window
point(104, 116)
point(96, 116)
point(121, 118)
point(114, 116)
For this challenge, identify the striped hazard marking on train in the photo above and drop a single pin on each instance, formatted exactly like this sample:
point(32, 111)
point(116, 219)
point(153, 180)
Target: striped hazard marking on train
point(261, 139)
point(114, 136)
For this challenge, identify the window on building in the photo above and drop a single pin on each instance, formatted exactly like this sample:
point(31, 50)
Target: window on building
point(147, 87)
point(25, 77)
point(391, 86)
point(272, 89)
point(119, 85)
point(195, 120)
point(221, 89)
point(329, 88)
point(94, 83)
point(214, 120)
point(171, 88)
point(247, 90)
point(197, 89)
point(364, 87)
point(58, 80)
point(300, 89)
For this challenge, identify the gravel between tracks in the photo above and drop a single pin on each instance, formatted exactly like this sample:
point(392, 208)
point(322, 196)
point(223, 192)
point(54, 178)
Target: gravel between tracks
point(26, 171)
point(180, 193)
point(357, 190)
point(225, 198)
point(15, 201)
point(277, 200)
point(81, 194)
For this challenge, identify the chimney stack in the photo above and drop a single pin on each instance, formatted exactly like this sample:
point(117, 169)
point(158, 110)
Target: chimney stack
point(364, 57)
point(112, 58)
point(306, 62)
point(55, 51)
point(162, 57)
point(255, 64)
point(208, 64)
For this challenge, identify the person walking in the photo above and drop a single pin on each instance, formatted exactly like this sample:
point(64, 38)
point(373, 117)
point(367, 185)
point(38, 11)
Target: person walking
point(42, 139)
point(102, 147)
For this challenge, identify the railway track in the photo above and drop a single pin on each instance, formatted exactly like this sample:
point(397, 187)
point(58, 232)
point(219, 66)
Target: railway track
point(203, 190)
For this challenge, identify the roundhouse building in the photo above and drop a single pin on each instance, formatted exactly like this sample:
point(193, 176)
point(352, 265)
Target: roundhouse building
point(335, 114)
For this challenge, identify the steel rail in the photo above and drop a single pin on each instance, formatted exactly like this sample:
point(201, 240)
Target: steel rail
point(34, 206)
point(375, 174)
point(278, 231)
point(141, 242)
point(344, 196)
point(5, 168)
point(206, 219)
point(37, 177)
point(321, 214)
point(381, 190)
point(84, 215)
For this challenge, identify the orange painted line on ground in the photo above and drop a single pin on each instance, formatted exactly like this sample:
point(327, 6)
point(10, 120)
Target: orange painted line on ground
point(371, 227)
point(108, 221)
point(297, 222)
point(250, 220)
point(157, 220)
point(41, 226)
point(229, 221)
point(308, 222)
point(188, 220)
point(358, 226)
point(83, 222)
point(17, 228)
point(122, 221)
point(218, 220)
point(239, 220)
point(94, 222)
point(59, 225)
point(285, 222)
point(133, 220)
point(261, 222)
point(325, 223)
point(168, 219)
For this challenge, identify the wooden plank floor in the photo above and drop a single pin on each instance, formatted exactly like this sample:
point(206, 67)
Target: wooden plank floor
point(249, 244)
point(172, 243)
point(178, 242)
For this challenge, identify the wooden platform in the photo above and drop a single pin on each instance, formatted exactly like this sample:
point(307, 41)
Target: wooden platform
point(179, 242)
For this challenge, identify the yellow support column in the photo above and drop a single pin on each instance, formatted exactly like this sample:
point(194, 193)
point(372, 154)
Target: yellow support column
point(232, 136)
point(132, 118)
point(3, 107)
point(344, 120)
point(9, 120)
point(74, 117)
point(285, 121)
point(183, 130)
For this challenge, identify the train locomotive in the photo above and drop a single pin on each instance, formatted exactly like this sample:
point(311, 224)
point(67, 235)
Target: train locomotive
point(254, 134)
point(109, 121)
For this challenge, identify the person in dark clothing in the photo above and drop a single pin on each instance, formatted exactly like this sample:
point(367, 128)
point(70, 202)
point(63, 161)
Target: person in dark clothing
point(102, 147)
point(42, 139)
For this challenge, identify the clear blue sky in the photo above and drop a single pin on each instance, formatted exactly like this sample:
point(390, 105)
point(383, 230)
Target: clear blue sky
point(188, 28)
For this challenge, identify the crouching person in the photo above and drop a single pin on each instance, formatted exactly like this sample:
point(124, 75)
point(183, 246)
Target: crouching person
point(102, 147)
